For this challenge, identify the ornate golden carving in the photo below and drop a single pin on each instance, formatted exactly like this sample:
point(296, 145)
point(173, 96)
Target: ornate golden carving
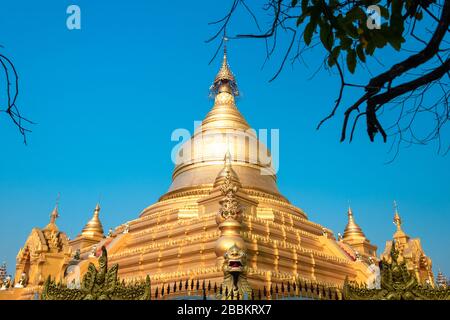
point(397, 283)
point(40, 245)
point(230, 207)
point(225, 76)
point(411, 252)
point(235, 284)
point(229, 217)
point(98, 285)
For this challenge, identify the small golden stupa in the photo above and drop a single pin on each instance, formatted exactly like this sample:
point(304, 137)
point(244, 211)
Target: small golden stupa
point(410, 251)
point(91, 234)
point(46, 253)
point(356, 239)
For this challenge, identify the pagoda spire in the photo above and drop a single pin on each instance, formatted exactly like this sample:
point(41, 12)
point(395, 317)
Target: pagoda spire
point(399, 233)
point(224, 113)
point(397, 219)
point(53, 216)
point(225, 79)
point(3, 272)
point(352, 230)
point(94, 228)
point(441, 280)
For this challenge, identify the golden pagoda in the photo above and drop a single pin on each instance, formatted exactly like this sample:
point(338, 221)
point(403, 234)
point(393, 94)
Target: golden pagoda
point(46, 253)
point(91, 234)
point(354, 237)
point(411, 251)
point(176, 238)
point(223, 212)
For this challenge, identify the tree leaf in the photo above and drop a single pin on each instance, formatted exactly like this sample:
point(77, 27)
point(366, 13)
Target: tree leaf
point(384, 12)
point(352, 31)
point(326, 36)
point(360, 53)
point(370, 48)
point(346, 42)
point(309, 30)
point(378, 39)
point(335, 52)
point(303, 16)
point(396, 42)
point(351, 60)
point(333, 57)
point(356, 13)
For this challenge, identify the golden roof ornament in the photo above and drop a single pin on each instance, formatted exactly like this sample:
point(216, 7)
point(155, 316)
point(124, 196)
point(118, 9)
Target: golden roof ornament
point(352, 229)
point(94, 228)
point(53, 216)
point(397, 219)
point(229, 217)
point(225, 80)
point(235, 284)
point(230, 206)
point(398, 222)
point(226, 171)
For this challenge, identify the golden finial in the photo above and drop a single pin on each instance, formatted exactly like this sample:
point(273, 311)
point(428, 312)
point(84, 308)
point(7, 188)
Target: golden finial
point(398, 222)
point(94, 228)
point(54, 215)
point(352, 229)
point(225, 80)
point(397, 219)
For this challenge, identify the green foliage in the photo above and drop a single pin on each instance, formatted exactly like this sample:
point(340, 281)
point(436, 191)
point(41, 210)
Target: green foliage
point(309, 30)
point(326, 35)
point(360, 52)
point(351, 60)
point(332, 58)
point(343, 26)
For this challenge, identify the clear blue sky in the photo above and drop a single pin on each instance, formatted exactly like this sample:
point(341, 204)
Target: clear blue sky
point(106, 99)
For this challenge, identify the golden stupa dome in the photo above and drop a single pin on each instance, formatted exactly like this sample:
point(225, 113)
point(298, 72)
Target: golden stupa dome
point(224, 130)
point(94, 228)
point(352, 230)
